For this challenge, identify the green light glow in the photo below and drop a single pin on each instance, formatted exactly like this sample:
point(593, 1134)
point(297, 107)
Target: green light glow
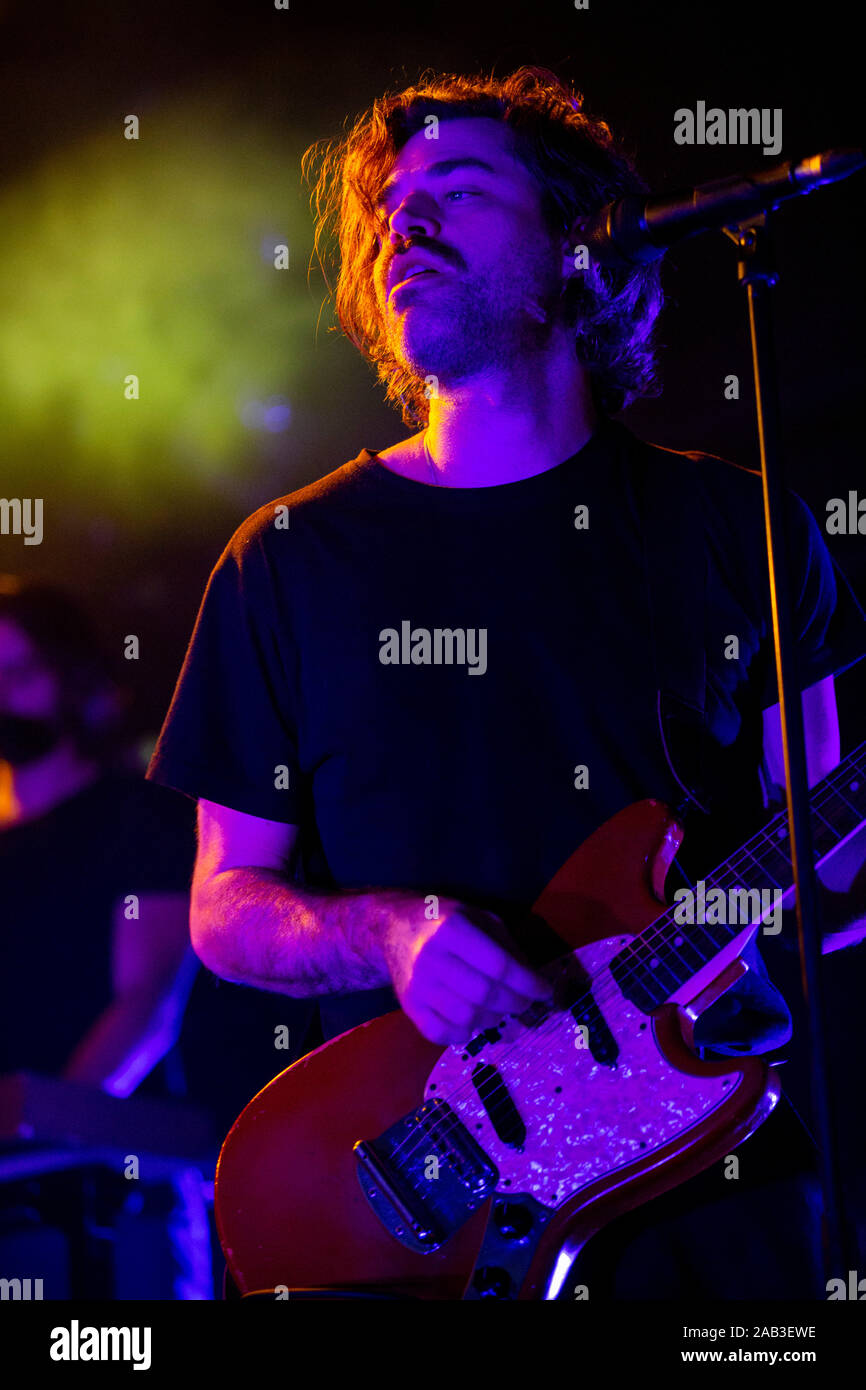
point(149, 257)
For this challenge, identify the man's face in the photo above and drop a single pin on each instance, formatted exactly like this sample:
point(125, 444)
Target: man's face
point(30, 721)
point(471, 214)
point(27, 686)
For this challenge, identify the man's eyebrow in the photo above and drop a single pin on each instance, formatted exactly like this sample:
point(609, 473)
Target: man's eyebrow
point(439, 170)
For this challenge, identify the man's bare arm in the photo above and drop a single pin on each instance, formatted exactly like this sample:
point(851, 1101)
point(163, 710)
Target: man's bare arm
point(252, 927)
point(153, 970)
point(251, 924)
point(821, 730)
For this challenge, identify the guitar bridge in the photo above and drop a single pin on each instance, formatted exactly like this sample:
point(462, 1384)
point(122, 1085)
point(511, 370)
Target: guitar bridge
point(425, 1176)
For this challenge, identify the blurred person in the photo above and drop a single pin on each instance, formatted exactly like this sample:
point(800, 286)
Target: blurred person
point(96, 988)
point(95, 866)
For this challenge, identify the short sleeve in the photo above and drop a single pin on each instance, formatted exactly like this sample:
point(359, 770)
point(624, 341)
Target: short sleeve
point(829, 622)
point(230, 735)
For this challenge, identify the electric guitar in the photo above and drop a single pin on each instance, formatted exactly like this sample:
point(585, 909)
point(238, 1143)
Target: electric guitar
point(384, 1165)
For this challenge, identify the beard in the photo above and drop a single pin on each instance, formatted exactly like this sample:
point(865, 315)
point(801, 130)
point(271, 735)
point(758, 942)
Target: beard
point(462, 326)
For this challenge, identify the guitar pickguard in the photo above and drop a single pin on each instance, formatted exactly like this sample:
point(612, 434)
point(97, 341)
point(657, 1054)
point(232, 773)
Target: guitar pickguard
point(569, 1119)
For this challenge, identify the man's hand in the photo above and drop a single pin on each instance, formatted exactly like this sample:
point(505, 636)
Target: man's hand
point(454, 973)
point(449, 974)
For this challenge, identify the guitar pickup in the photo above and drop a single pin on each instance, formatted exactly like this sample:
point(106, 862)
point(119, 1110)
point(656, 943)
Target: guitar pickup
point(601, 1042)
point(501, 1110)
point(425, 1176)
point(489, 1035)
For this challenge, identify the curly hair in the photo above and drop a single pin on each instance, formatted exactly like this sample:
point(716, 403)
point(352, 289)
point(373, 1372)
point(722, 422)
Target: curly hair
point(578, 167)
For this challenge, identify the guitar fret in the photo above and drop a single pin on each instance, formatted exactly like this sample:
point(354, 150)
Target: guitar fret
point(844, 798)
point(840, 808)
point(684, 947)
point(762, 867)
point(657, 966)
point(668, 952)
point(823, 818)
point(824, 838)
point(776, 864)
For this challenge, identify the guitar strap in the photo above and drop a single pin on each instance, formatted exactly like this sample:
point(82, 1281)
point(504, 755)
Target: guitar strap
point(675, 564)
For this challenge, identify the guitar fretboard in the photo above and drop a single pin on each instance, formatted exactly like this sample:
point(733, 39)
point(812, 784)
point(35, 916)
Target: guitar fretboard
point(669, 952)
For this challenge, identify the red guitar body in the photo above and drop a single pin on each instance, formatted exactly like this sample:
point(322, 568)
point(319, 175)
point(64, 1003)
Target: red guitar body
point(293, 1206)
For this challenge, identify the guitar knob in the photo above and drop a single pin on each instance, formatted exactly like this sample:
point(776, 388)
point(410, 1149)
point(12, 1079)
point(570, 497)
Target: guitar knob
point(491, 1282)
point(512, 1220)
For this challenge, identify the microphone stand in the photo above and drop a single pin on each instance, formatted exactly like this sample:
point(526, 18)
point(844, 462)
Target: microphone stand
point(756, 272)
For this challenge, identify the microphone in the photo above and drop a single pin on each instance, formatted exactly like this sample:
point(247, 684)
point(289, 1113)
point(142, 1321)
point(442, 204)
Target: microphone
point(638, 229)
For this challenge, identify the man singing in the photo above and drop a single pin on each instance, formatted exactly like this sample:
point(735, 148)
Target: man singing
point(343, 773)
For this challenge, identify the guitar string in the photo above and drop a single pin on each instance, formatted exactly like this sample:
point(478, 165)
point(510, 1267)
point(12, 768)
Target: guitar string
point(529, 1042)
point(666, 915)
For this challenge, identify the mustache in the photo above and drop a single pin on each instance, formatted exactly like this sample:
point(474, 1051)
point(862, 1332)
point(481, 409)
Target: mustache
point(433, 250)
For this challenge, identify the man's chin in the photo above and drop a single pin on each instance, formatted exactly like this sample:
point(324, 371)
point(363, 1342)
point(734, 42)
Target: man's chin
point(436, 376)
point(439, 354)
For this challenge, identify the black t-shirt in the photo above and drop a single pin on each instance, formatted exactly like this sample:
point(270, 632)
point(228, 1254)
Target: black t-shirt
point(62, 876)
point(300, 701)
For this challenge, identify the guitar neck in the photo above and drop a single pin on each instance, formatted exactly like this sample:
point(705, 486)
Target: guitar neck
point(739, 891)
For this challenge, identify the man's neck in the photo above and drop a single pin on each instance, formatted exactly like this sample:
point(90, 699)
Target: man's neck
point(27, 792)
point(486, 446)
point(502, 428)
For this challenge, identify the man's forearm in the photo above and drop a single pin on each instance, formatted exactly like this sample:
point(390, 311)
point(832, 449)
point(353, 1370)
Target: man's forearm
point(253, 926)
point(843, 920)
